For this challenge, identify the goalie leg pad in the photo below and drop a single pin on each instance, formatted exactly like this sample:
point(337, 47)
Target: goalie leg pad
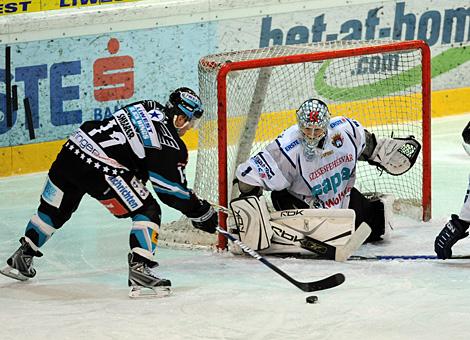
point(252, 220)
point(332, 226)
point(376, 211)
point(387, 201)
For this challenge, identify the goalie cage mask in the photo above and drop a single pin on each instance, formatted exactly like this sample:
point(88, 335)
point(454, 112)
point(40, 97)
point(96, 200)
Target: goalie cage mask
point(313, 114)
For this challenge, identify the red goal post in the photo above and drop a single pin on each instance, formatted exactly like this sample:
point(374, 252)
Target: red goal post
point(251, 96)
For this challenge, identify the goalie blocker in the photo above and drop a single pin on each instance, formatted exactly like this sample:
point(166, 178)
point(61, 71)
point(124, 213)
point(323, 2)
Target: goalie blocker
point(324, 233)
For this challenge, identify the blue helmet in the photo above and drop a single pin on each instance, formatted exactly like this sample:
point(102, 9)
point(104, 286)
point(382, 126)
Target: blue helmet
point(184, 101)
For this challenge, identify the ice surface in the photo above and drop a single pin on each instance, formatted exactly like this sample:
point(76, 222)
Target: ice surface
point(80, 290)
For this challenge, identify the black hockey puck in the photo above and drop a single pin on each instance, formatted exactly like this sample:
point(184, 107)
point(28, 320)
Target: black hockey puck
point(311, 299)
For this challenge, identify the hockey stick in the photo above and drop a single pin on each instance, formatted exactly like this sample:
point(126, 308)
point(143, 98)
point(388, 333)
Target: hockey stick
point(405, 257)
point(326, 283)
point(221, 208)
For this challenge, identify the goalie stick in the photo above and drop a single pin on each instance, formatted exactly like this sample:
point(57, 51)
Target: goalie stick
point(338, 253)
point(326, 283)
point(405, 257)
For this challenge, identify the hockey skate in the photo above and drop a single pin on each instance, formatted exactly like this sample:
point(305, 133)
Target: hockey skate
point(20, 264)
point(143, 280)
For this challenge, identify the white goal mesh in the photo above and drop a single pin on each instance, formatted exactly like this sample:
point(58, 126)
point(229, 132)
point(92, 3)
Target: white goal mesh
point(251, 96)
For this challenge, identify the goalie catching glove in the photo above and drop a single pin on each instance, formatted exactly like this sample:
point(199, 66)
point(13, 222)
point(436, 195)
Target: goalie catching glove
point(394, 155)
point(204, 218)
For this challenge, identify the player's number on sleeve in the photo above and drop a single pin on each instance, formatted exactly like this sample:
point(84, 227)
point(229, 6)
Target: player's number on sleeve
point(116, 138)
point(182, 174)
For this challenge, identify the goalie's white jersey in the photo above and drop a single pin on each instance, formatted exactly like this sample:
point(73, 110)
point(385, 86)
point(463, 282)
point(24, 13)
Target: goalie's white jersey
point(329, 177)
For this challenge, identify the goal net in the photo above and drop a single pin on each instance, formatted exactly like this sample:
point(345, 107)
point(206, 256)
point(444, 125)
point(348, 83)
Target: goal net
point(251, 96)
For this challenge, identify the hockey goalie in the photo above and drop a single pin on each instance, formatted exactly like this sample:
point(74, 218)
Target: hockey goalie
point(310, 170)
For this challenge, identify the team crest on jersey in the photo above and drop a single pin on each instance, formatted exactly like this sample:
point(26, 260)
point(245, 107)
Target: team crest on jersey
point(156, 115)
point(337, 140)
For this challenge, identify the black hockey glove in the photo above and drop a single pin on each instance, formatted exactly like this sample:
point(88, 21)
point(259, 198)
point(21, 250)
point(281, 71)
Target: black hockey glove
point(205, 218)
point(453, 231)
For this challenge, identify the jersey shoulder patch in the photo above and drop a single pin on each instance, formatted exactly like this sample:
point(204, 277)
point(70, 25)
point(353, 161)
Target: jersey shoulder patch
point(343, 130)
point(289, 140)
point(142, 122)
point(337, 121)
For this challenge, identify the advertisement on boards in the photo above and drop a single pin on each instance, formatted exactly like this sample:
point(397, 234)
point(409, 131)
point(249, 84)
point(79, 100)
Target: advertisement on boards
point(70, 80)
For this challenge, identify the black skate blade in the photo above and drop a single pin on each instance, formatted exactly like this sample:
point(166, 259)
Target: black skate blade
point(13, 273)
point(138, 292)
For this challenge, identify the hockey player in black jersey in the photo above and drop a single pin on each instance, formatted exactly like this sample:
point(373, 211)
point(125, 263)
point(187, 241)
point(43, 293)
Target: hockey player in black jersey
point(111, 160)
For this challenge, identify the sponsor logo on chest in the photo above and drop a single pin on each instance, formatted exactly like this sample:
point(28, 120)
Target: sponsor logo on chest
point(330, 166)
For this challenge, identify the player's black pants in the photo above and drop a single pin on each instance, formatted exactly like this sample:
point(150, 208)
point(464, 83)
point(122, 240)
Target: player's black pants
point(72, 176)
point(370, 211)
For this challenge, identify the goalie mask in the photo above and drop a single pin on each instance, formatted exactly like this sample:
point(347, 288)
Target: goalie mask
point(313, 118)
point(184, 101)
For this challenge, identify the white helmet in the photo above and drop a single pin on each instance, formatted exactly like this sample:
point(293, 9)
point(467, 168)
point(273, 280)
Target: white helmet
point(313, 118)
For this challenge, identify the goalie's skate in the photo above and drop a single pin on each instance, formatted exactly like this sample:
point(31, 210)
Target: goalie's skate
point(20, 264)
point(143, 280)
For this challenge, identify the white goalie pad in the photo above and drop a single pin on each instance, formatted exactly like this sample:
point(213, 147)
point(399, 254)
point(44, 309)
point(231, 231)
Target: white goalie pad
point(332, 226)
point(388, 200)
point(395, 155)
point(251, 217)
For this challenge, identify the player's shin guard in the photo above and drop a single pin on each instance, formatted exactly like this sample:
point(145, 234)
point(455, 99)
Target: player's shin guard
point(142, 267)
point(39, 230)
point(144, 237)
